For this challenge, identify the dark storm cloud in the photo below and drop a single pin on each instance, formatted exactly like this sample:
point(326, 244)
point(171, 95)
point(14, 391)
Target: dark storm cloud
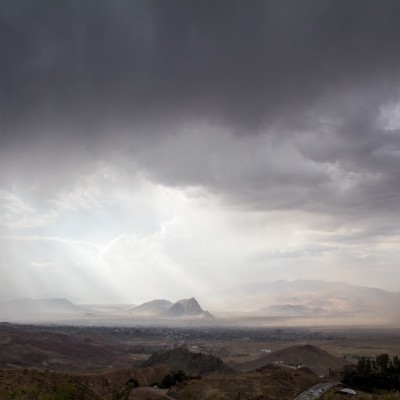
point(101, 77)
point(85, 62)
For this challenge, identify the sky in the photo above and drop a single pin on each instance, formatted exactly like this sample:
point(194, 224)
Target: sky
point(171, 149)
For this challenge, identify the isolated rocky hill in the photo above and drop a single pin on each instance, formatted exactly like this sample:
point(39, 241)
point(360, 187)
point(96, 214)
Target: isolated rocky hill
point(187, 308)
point(312, 357)
point(153, 307)
point(185, 360)
point(163, 308)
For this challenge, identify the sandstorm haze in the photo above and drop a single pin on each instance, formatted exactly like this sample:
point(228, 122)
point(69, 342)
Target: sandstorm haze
point(171, 149)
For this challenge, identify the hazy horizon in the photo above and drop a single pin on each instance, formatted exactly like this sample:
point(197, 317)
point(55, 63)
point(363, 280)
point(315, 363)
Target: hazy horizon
point(177, 298)
point(153, 149)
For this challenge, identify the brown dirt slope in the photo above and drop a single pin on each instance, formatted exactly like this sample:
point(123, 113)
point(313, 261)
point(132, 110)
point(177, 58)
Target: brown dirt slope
point(57, 351)
point(312, 357)
point(44, 384)
point(150, 393)
point(270, 383)
point(185, 360)
point(104, 382)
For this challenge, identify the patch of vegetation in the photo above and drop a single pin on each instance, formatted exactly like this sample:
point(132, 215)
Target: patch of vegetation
point(381, 373)
point(126, 391)
point(173, 378)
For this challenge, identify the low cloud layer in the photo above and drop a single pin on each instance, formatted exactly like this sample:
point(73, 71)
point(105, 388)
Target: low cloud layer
point(192, 142)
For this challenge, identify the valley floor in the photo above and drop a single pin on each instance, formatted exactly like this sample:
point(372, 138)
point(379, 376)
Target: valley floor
point(72, 362)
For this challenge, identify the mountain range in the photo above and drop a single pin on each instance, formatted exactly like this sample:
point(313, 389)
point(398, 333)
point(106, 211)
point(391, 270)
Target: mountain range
point(297, 302)
point(318, 298)
point(26, 310)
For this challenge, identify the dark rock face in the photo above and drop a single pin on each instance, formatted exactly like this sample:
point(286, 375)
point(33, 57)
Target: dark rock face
point(187, 308)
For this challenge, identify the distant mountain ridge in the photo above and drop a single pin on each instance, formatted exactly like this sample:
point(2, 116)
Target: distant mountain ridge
point(165, 308)
point(299, 302)
point(319, 298)
point(33, 308)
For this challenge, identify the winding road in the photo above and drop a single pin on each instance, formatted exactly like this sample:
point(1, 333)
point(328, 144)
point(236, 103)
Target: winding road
point(316, 391)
